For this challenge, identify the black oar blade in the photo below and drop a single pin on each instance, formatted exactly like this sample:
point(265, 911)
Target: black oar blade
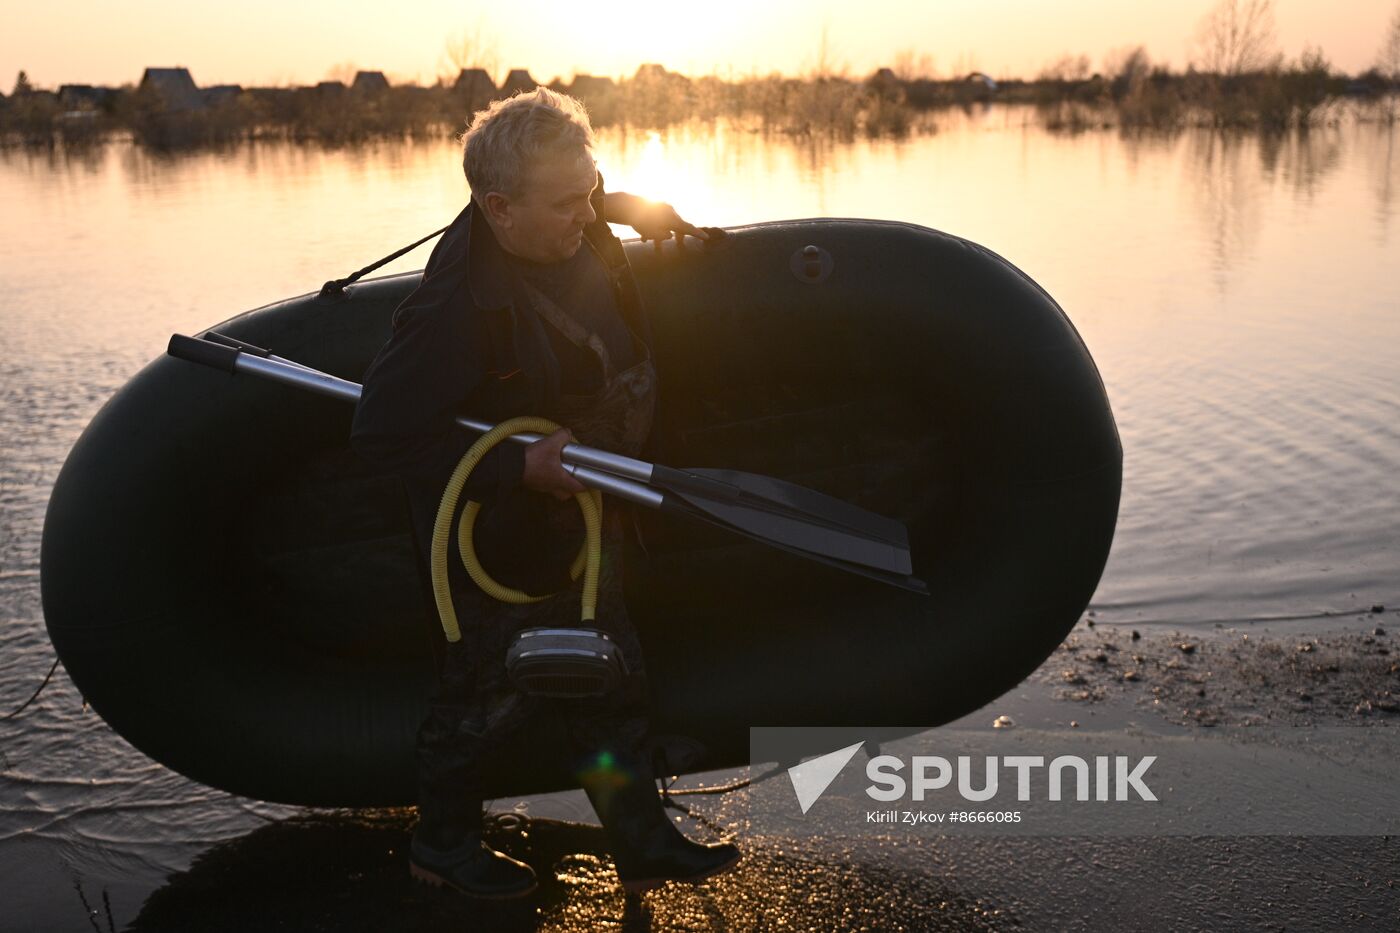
point(706, 511)
point(767, 492)
point(807, 537)
point(739, 501)
point(791, 515)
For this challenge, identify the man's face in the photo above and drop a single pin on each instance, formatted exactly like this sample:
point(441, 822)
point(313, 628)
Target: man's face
point(546, 223)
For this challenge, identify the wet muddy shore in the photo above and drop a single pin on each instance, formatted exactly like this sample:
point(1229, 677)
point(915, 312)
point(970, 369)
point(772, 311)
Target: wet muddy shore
point(1237, 676)
point(350, 873)
point(343, 870)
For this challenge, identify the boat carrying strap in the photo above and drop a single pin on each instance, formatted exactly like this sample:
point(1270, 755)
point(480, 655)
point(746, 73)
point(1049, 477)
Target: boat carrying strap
point(335, 288)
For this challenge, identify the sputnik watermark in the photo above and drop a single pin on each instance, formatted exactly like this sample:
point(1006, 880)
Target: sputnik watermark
point(1112, 779)
point(1054, 782)
point(884, 771)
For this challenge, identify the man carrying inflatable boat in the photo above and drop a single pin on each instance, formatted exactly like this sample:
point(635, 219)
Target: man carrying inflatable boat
point(528, 307)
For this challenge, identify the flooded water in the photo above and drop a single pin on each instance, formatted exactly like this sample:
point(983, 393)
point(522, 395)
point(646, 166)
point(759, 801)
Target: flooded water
point(1240, 295)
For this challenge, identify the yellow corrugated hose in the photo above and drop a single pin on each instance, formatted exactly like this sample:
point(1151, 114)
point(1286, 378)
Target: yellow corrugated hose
point(587, 562)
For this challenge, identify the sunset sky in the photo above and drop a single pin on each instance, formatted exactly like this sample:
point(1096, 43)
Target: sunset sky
point(261, 42)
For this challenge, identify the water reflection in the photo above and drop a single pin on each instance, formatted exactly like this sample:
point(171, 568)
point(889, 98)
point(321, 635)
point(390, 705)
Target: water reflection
point(1384, 169)
point(1228, 191)
point(1143, 147)
point(1162, 247)
point(350, 872)
point(1303, 158)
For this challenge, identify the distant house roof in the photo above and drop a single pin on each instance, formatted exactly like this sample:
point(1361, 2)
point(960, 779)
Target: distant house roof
point(274, 96)
point(652, 73)
point(518, 80)
point(220, 93)
point(474, 81)
point(175, 87)
point(331, 87)
point(886, 84)
point(75, 96)
point(591, 86)
point(368, 81)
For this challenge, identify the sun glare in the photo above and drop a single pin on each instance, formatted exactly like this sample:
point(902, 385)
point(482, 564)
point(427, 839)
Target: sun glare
point(654, 169)
point(651, 173)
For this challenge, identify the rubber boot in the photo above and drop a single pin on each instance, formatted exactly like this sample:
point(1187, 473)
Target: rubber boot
point(646, 846)
point(467, 864)
point(447, 849)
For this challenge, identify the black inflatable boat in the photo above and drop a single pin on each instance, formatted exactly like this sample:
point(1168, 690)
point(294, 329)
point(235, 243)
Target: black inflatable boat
point(238, 596)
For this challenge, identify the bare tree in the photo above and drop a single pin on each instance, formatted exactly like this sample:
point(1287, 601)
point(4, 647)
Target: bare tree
point(1130, 64)
point(343, 72)
point(1236, 36)
point(912, 66)
point(825, 66)
point(967, 64)
point(1067, 68)
point(1388, 59)
point(471, 48)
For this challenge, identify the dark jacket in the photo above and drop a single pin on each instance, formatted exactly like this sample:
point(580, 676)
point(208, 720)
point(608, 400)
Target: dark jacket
point(467, 342)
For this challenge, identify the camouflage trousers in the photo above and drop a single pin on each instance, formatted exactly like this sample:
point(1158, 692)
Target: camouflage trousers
point(476, 708)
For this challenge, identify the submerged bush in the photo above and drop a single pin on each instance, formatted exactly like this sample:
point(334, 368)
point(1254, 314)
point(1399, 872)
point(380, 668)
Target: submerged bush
point(1134, 95)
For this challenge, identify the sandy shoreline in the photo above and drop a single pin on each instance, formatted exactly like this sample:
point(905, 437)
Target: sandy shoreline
point(1237, 676)
point(347, 870)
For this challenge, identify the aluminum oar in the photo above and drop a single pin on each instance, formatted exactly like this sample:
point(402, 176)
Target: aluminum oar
point(782, 514)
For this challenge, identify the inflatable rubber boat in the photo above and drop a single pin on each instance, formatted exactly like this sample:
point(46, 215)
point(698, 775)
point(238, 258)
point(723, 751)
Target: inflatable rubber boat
point(237, 594)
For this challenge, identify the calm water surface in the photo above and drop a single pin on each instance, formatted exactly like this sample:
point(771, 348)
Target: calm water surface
point(1240, 295)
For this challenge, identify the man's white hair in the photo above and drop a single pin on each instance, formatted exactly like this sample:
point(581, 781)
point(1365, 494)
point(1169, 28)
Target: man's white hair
point(514, 135)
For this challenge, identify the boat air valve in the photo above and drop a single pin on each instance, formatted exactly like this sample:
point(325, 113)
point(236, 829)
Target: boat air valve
point(811, 264)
